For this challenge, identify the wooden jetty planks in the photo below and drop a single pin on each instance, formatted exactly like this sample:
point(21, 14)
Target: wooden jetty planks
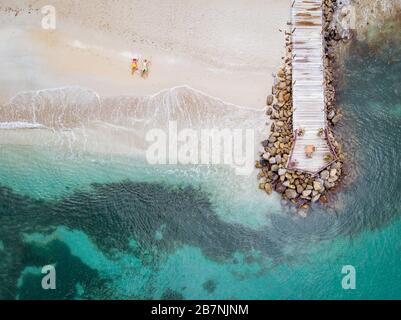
point(308, 85)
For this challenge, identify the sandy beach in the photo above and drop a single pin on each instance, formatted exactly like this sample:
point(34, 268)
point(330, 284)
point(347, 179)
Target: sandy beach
point(227, 49)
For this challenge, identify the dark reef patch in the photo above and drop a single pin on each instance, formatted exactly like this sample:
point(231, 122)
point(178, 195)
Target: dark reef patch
point(209, 286)
point(170, 294)
point(112, 215)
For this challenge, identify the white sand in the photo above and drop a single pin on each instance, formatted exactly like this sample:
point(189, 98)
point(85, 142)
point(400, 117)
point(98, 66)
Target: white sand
point(226, 48)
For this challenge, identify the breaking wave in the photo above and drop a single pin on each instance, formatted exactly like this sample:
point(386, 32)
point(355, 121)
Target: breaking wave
point(20, 125)
point(76, 107)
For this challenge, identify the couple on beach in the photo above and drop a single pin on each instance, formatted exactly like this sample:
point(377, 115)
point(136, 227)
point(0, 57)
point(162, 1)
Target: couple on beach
point(145, 67)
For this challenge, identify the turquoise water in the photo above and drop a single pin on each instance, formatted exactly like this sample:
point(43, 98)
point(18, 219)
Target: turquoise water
point(115, 228)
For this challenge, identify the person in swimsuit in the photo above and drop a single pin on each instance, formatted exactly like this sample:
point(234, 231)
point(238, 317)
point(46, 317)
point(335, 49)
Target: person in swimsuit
point(134, 65)
point(145, 68)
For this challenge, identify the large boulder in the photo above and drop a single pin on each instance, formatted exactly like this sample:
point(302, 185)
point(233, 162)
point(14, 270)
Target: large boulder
point(300, 189)
point(269, 100)
point(324, 199)
point(266, 156)
point(324, 175)
point(268, 188)
point(336, 119)
point(316, 198)
point(282, 171)
point(274, 167)
point(265, 143)
point(287, 97)
point(281, 73)
point(280, 188)
point(291, 194)
point(329, 185)
point(333, 179)
point(317, 185)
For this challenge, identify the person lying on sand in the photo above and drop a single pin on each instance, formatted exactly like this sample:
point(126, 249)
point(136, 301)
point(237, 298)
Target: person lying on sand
point(134, 65)
point(145, 68)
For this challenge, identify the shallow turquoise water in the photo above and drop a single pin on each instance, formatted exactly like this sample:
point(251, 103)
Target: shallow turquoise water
point(115, 228)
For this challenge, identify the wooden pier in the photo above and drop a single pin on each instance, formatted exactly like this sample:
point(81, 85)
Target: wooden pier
point(308, 92)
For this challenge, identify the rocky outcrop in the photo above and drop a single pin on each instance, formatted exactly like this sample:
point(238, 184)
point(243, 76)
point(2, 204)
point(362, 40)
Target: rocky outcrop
point(299, 188)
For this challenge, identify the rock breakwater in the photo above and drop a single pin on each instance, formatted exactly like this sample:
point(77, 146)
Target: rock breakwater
point(297, 187)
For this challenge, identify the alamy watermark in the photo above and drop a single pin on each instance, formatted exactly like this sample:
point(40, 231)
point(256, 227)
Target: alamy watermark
point(232, 147)
point(49, 19)
point(49, 280)
point(349, 280)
